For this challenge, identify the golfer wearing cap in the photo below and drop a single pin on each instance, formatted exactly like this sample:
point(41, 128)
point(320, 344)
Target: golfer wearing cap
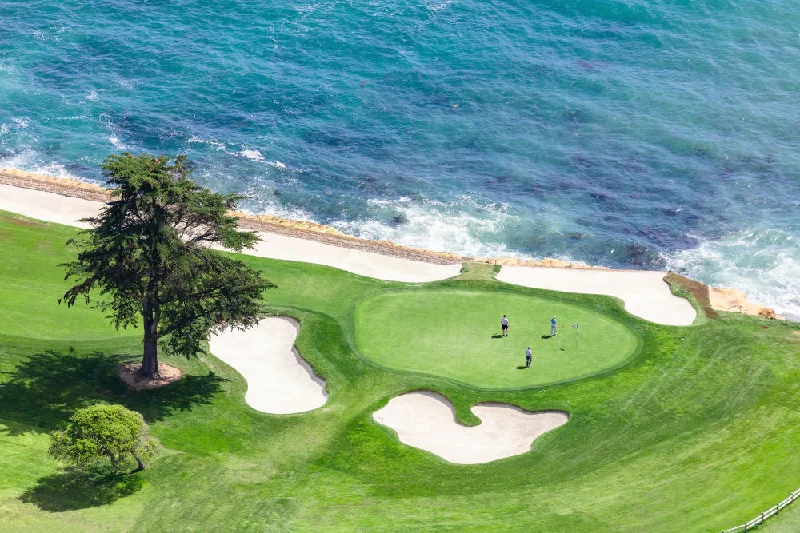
point(553, 326)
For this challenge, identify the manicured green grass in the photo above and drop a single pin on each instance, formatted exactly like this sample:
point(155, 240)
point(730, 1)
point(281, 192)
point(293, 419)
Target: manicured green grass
point(31, 282)
point(698, 431)
point(457, 334)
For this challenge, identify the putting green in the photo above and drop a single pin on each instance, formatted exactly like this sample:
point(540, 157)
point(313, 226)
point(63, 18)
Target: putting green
point(456, 334)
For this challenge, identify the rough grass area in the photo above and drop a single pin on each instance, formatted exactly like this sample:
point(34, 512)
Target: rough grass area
point(787, 521)
point(694, 291)
point(478, 272)
point(699, 431)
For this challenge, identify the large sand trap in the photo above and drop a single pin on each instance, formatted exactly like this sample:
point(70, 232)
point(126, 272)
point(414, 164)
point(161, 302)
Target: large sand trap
point(279, 381)
point(425, 420)
point(47, 206)
point(645, 293)
point(360, 262)
point(66, 210)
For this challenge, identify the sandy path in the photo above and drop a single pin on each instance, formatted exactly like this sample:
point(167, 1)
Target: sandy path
point(279, 381)
point(425, 420)
point(645, 293)
point(66, 210)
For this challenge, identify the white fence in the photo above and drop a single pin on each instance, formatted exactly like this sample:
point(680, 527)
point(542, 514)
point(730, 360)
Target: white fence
point(772, 511)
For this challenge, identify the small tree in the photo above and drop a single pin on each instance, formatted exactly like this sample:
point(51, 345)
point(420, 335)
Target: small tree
point(104, 431)
point(148, 255)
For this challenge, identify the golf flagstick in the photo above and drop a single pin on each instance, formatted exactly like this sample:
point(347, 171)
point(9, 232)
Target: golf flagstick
point(575, 327)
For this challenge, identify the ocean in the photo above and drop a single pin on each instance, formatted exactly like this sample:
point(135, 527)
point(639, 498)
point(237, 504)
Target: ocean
point(641, 134)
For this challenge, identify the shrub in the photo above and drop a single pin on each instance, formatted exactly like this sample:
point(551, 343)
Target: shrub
point(104, 431)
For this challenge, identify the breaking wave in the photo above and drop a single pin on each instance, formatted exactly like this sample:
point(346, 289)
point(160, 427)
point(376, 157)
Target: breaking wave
point(763, 263)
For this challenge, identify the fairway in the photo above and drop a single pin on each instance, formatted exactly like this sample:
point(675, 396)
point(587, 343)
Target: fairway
point(693, 429)
point(456, 334)
point(31, 282)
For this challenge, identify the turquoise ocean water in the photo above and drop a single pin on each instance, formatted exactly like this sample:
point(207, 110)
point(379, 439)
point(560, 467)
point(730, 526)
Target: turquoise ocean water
point(638, 133)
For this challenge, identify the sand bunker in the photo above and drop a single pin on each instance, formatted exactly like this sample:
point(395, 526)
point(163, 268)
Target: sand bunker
point(48, 206)
point(360, 262)
point(279, 381)
point(425, 420)
point(645, 293)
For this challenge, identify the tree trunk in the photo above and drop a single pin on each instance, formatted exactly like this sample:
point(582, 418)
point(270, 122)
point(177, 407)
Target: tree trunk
point(150, 357)
point(140, 463)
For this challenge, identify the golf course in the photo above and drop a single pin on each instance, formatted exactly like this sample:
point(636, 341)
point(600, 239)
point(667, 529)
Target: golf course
point(690, 428)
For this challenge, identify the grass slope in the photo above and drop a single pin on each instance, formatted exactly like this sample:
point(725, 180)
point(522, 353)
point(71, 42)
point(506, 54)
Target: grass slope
point(697, 432)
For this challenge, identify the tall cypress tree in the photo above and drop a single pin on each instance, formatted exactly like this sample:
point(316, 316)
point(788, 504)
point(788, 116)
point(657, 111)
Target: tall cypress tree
point(147, 259)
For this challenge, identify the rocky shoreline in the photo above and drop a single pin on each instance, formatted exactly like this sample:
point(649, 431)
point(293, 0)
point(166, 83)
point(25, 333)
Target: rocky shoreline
point(730, 300)
point(291, 228)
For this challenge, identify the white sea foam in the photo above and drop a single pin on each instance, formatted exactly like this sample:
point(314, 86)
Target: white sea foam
point(271, 207)
point(53, 33)
point(210, 142)
point(764, 263)
point(252, 155)
point(119, 145)
point(92, 95)
point(255, 155)
point(462, 226)
point(262, 201)
point(21, 122)
point(30, 161)
point(438, 5)
point(108, 122)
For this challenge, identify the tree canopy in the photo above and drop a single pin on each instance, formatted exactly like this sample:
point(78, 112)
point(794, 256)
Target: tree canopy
point(148, 259)
point(104, 431)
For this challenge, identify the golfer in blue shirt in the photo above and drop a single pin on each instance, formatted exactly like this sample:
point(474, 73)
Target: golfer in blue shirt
point(553, 326)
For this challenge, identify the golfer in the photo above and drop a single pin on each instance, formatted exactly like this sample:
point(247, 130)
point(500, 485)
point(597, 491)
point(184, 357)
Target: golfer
point(528, 357)
point(504, 325)
point(553, 326)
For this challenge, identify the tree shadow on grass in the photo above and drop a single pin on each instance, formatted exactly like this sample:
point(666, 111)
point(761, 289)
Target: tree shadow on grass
point(71, 490)
point(47, 388)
